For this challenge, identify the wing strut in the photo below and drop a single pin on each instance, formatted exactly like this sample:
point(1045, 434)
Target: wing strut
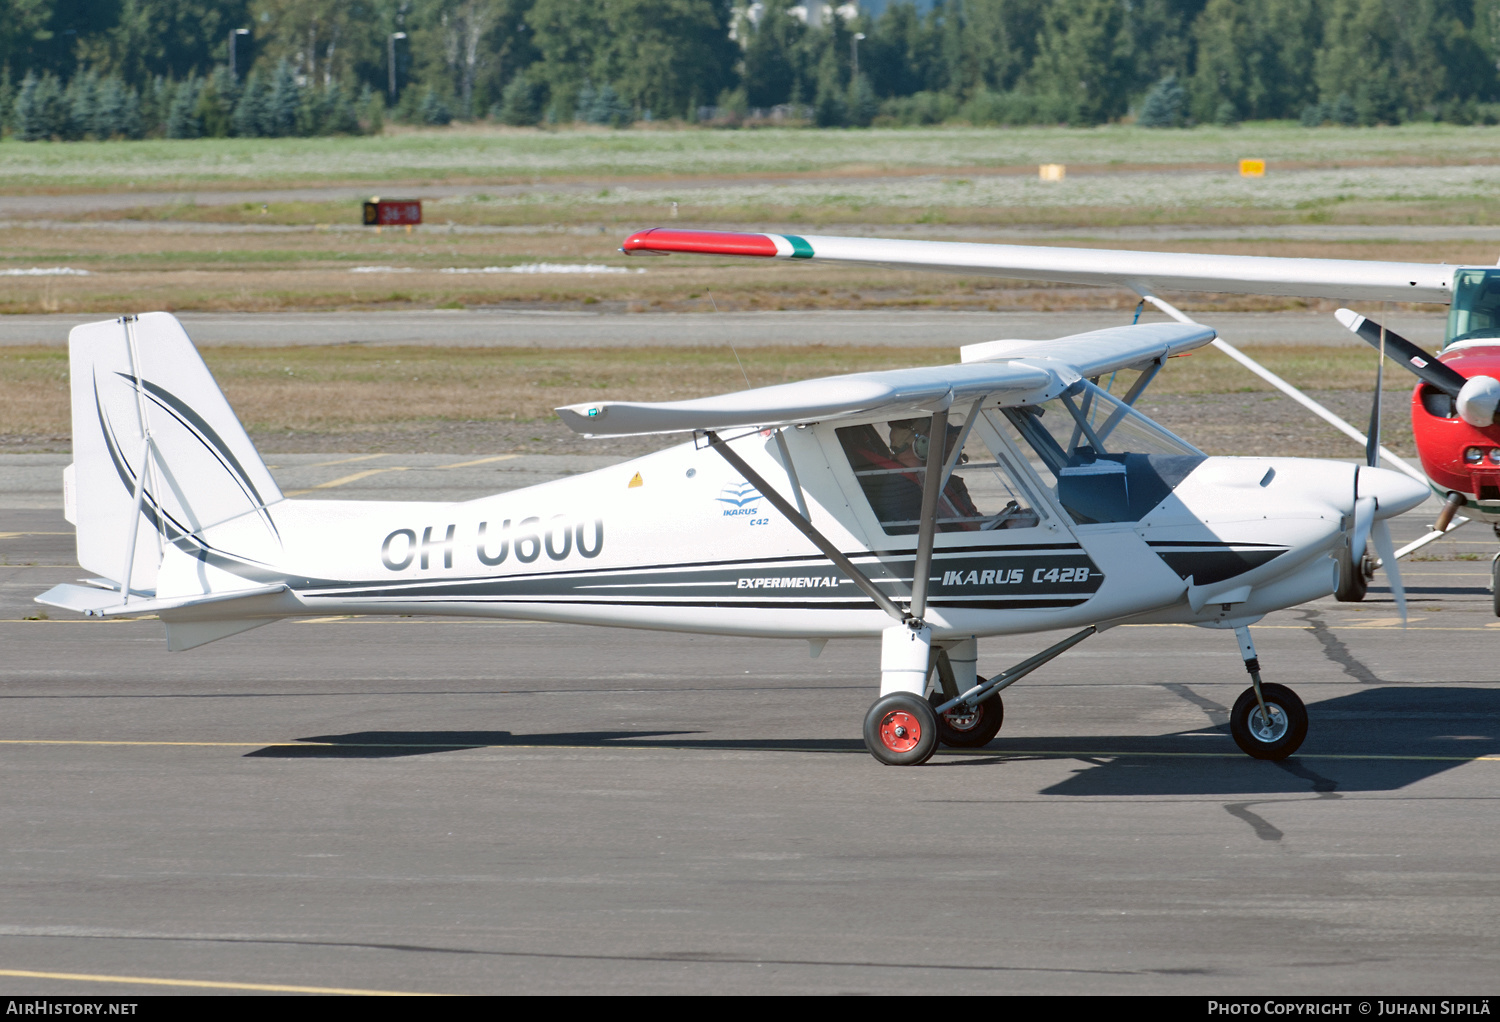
point(807, 528)
point(1286, 388)
point(932, 481)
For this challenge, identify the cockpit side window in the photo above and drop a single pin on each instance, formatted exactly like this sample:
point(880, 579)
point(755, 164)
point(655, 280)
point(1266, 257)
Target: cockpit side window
point(1105, 461)
point(889, 460)
point(1476, 306)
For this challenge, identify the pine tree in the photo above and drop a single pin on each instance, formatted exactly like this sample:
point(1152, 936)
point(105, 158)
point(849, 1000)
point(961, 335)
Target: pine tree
point(863, 105)
point(432, 110)
point(156, 101)
point(282, 104)
point(1163, 105)
point(521, 102)
point(371, 111)
point(216, 103)
point(1314, 114)
point(829, 107)
point(7, 100)
point(335, 113)
point(38, 110)
point(250, 113)
point(1344, 111)
point(109, 112)
point(131, 124)
point(584, 110)
point(609, 108)
point(182, 115)
point(81, 103)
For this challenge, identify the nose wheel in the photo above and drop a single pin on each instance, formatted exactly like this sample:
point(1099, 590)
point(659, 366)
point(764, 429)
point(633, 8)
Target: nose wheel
point(1275, 733)
point(1268, 721)
point(901, 730)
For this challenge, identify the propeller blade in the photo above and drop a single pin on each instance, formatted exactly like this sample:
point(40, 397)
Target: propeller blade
point(1424, 366)
point(1364, 518)
point(1381, 534)
point(1372, 441)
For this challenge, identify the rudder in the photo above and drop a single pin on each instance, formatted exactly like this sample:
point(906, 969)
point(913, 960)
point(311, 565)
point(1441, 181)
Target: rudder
point(136, 377)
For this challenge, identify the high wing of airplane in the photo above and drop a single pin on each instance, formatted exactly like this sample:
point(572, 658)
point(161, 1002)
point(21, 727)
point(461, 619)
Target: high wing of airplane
point(1454, 403)
point(927, 507)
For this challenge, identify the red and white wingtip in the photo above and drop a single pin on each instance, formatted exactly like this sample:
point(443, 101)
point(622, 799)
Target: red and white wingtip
point(662, 240)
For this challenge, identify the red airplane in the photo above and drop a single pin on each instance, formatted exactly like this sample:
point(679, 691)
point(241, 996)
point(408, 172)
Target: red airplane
point(1453, 405)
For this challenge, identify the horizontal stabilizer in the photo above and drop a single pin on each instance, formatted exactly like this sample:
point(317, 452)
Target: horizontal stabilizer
point(191, 634)
point(270, 599)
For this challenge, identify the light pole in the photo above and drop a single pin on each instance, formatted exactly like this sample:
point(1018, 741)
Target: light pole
point(235, 35)
point(391, 60)
point(854, 50)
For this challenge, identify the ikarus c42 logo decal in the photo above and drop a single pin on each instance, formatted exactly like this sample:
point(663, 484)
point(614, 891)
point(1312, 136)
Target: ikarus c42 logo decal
point(741, 502)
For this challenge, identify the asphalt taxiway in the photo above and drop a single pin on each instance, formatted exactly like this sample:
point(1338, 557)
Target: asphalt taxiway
point(482, 807)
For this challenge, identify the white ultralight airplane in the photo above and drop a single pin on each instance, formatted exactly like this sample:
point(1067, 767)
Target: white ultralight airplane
point(927, 507)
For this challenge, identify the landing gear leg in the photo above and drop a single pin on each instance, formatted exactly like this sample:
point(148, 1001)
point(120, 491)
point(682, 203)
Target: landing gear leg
point(1268, 721)
point(901, 729)
point(1495, 584)
point(964, 727)
point(1495, 578)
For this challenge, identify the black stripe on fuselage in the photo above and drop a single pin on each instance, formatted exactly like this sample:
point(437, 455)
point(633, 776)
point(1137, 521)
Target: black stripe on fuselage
point(1002, 579)
point(1209, 562)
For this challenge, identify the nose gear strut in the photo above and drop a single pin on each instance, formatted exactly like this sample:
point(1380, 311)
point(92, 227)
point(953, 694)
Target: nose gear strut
point(1268, 721)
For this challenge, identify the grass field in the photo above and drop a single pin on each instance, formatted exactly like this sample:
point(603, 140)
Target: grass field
point(507, 197)
point(496, 155)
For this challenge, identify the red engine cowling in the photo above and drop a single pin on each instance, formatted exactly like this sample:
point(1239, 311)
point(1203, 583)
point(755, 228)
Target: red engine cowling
point(1442, 437)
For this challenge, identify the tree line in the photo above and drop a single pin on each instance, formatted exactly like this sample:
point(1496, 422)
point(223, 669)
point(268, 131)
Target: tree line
point(188, 68)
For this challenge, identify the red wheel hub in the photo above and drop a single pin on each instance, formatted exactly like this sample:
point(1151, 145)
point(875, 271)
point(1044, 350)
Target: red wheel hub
point(900, 731)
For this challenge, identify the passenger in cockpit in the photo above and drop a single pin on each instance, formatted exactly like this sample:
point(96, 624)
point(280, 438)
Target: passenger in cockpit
point(896, 495)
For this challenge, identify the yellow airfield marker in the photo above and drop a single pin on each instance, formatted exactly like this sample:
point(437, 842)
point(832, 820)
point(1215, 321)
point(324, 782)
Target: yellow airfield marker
point(1252, 168)
point(1052, 171)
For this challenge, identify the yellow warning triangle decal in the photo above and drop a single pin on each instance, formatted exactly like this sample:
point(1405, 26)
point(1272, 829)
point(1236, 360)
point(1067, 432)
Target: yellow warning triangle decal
point(635, 481)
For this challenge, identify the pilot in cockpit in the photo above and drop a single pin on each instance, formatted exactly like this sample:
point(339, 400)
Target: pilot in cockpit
point(909, 446)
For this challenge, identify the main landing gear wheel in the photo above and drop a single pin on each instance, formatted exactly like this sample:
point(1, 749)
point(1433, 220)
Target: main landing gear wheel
point(963, 728)
point(901, 730)
point(1277, 738)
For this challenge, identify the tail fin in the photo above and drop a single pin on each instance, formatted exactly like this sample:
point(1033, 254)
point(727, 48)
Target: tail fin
point(158, 456)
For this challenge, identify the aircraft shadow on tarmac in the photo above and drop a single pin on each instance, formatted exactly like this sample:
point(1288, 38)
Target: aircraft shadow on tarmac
point(1376, 739)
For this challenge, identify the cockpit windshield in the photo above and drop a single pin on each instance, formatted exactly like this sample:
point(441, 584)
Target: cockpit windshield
point(1476, 306)
point(1106, 461)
